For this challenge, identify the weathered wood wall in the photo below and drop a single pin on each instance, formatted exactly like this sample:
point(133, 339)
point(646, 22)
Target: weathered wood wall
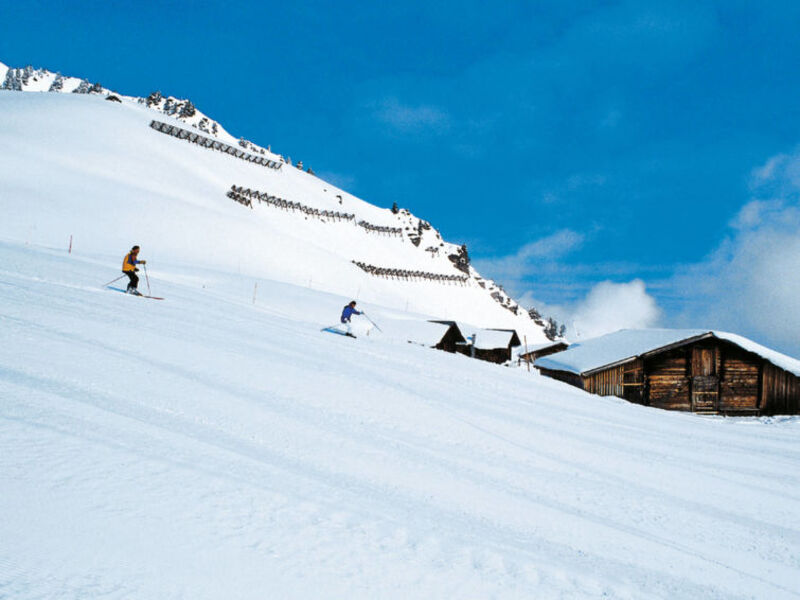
point(633, 382)
point(710, 376)
point(451, 340)
point(495, 355)
point(780, 392)
point(740, 375)
point(606, 383)
point(565, 376)
point(668, 380)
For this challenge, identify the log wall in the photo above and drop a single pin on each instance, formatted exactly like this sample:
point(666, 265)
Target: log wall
point(668, 380)
point(780, 392)
point(709, 376)
point(633, 382)
point(740, 376)
point(565, 376)
point(606, 383)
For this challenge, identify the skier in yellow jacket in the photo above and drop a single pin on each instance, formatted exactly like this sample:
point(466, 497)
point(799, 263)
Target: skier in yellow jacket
point(129, 268)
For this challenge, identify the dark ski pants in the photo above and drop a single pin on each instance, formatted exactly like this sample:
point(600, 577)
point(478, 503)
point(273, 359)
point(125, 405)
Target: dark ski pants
point(134, 283)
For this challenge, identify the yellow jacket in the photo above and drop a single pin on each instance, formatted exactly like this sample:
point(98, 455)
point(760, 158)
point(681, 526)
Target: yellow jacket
point(129, 262)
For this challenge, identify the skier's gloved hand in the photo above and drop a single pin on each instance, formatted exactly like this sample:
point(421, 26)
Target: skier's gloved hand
point(135, 269)
point(144, 262)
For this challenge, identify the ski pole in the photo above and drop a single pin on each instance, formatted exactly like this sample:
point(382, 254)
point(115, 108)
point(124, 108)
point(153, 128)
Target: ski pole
point(147, 279)
point(373, 322)
point(113, 280)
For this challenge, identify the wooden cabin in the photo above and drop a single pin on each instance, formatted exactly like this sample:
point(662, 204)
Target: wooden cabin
point(493, 345)
point(693, 370)
point(532, 352)
point(432, 334)
point(451, 339)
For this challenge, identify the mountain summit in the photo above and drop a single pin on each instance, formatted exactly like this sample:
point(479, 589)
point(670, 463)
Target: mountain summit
point(113, 170)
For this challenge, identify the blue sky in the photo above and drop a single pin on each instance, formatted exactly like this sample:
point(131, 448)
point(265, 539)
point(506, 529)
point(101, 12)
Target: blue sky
point(567, 143)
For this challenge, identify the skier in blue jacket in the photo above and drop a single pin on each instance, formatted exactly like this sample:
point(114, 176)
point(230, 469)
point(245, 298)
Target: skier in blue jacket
point(348, 312)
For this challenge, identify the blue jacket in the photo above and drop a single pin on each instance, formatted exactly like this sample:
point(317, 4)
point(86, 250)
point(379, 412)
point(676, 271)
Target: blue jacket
point(348, 312)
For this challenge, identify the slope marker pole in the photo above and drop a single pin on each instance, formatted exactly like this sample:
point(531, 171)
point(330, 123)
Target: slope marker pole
point(527, 356)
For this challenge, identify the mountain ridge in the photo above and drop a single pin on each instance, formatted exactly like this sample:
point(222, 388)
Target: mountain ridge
point(447, 260)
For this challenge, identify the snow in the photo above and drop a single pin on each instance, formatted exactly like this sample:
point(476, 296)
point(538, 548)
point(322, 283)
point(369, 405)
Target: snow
point(217, 445)
point(410, 329)
point(787, 363)
point(628, 344)
point(521, 350)
point(79, 165)
point(489, 339)
point(207, 447)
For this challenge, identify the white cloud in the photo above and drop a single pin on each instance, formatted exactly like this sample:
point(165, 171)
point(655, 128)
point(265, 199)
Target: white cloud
point(611, 306)
point(553, 246)
point(751, 283)
point(607, 307)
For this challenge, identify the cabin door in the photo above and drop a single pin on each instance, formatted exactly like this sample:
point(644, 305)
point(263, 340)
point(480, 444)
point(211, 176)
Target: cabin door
point(705, 380)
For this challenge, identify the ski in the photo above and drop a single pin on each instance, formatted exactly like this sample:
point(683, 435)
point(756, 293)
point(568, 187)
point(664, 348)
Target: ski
point(116, 289)
point(337, 332)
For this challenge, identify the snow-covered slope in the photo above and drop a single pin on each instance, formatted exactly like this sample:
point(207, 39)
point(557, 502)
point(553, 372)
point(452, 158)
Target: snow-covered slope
point(205, 447)
point(80, 165)
point(218, 445)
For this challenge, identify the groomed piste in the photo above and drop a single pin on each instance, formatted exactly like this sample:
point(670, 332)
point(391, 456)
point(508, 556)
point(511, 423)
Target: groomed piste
point(217, 445)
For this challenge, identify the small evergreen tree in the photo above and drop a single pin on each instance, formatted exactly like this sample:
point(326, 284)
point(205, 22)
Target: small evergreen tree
point(27, 73)
point(395, 210)
point(58, 83)
point(83, 87)
point(96, 89)
point(187, 110)
point(12, 81)
point(154, 99)
point(551, 329)
point(169, 107)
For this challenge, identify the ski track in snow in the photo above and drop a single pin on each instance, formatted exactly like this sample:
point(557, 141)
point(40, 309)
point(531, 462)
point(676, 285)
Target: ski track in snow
point(204, 447)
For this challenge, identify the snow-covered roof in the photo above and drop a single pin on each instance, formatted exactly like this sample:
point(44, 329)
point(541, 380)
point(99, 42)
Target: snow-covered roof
point(628, 344)
point(416, 331)
point(521, 350)
point(489, 339)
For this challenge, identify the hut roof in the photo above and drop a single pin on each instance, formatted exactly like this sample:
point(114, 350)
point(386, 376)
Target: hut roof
point(489, 339)
point(485, 339)
point(427, 333)
point(629, 344)
point(521, 351)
